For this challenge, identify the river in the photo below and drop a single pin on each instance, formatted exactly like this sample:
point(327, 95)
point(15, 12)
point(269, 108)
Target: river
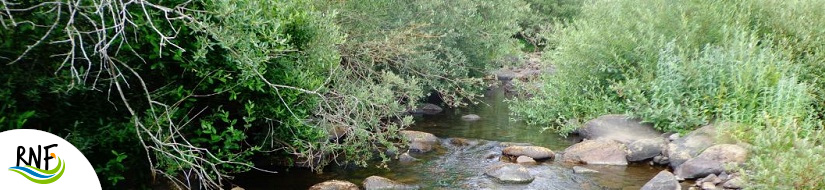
point(462, 167)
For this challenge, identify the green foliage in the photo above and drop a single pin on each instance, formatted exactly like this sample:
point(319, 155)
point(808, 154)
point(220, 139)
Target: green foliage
point(544, 17)
point(201, 86)
point(447, 46)
point(114, 168)
point(684, 64)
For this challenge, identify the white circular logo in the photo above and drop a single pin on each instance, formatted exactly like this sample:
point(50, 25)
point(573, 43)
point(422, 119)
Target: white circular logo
point(40, 160)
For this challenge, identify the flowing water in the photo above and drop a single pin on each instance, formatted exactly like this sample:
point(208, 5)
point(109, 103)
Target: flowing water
point(462, 166)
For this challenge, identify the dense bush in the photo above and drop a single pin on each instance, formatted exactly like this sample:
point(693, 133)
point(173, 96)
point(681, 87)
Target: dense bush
point(545, 16)
point(680, 65)
point(447, 46)
point(198, 87)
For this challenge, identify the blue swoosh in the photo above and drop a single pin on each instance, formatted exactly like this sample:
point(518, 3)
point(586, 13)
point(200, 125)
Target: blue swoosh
point(31, 172)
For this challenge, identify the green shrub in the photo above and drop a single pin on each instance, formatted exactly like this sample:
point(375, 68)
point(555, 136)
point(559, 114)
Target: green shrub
point(544, 17)
point(680, 65)
point(447, 46)
point(198, 87)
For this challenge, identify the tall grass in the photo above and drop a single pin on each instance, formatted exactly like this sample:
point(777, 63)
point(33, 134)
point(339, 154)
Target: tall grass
point(683, 64)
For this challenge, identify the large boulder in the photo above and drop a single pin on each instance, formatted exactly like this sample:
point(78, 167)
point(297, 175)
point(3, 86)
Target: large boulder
point(535, 152)
point(334, 185)
point(699, 167)
point(420, 141)
point(382, 183)
point(645, 149)
point(618, 127)
point(685, 148)
point(726, 153)
point(663, 181)
point(599, 151)
point(712, 161)
point(510, 173)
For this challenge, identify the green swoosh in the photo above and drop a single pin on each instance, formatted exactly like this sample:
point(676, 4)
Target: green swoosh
point(52, 171)
point(44, 181)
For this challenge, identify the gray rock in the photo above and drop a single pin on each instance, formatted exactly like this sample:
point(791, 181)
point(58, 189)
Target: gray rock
point(645, 149)
point(582, 170)
point(406, 158)
point(420, 141)
point(699, 167)
point(735, 182)
point(673, 136)
point(535, 152)
point(470, 117)
point(600, 151)
point(723, 176)
point(505, 74)
point(661, 160)
point(709, 186)
point(663, 181)
point(525, 160)
point(334, 185)
point(382, 183)
point(618, 127)
point(510, 173)
point(712, 178)
point(726, 153)
point(683, 149)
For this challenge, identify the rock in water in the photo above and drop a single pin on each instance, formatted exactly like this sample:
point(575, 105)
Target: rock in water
point(334, 185)
point(460, 142)
point(645, 149)
point(510, 173)
point(582, 170)
point(535, 152)
point(663, 181)
point(600, 151)
point(618, 127)
point(420, 141)
point(525, 160)
point(406, 158)
point(382, 183)
point(661, 160)
point(470, 117)
point(431, 108)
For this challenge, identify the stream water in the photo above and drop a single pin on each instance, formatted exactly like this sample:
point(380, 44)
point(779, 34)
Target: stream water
point(462, 166)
